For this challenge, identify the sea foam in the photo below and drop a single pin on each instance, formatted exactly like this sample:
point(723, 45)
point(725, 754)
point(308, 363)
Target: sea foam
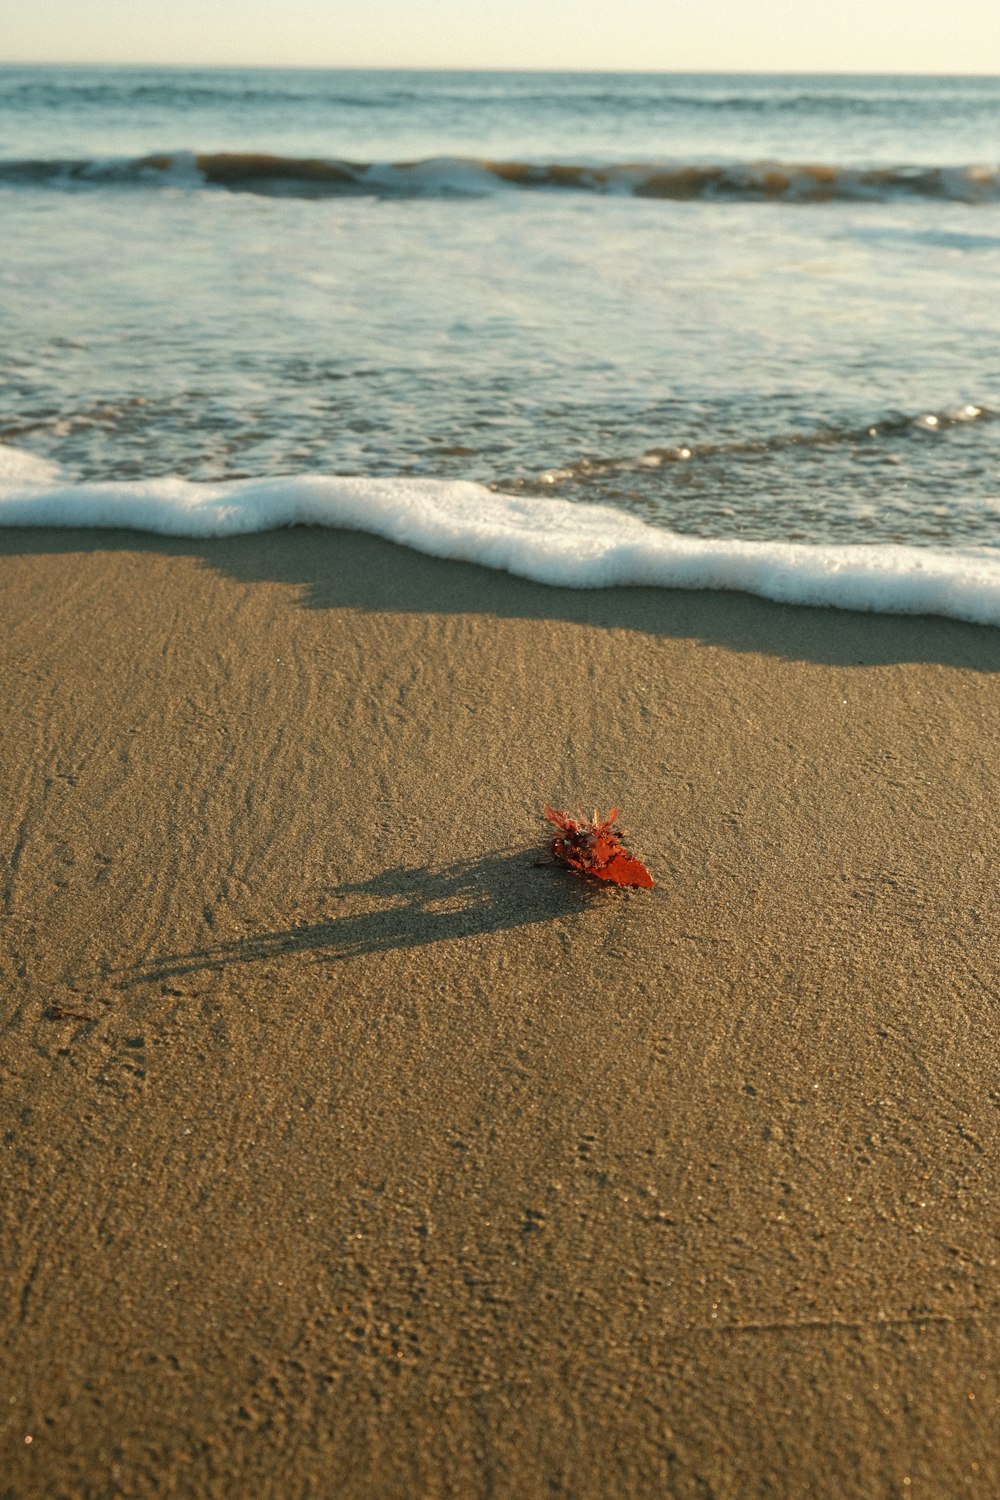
point(549, 541)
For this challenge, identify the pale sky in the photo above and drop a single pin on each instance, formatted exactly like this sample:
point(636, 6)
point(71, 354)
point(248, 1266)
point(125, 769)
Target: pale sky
point(891, 36)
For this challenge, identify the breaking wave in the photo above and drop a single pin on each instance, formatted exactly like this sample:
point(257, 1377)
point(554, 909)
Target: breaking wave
point(549, 541)
point(453, 176)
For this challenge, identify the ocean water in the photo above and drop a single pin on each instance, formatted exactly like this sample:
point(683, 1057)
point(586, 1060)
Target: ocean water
point(737, 331)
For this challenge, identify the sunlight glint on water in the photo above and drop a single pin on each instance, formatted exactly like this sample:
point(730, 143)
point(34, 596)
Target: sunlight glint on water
point(763, 357)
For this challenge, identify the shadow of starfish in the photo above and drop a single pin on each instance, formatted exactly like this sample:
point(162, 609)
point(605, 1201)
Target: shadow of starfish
point(399, 908)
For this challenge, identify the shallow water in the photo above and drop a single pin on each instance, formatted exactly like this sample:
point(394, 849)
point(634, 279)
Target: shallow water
point(748, 362)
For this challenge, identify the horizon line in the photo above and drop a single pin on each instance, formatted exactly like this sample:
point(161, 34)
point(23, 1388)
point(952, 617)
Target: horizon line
point(482, 68)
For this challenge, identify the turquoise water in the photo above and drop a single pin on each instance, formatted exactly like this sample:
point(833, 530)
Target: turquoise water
point(745, 308)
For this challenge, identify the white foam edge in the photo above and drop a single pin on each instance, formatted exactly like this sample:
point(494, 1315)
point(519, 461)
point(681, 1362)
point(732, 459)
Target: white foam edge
point(546, 540)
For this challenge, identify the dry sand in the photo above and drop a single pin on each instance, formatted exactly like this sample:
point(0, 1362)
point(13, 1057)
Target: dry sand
point(348, 1153)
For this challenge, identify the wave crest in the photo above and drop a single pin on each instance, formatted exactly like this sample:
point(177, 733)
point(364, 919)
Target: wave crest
point(450, 176)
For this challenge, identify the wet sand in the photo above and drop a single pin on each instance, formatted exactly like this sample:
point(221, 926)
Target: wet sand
point(348, 1152)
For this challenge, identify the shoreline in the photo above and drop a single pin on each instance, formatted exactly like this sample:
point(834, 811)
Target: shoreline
point(348, 1150)
point(546, 540)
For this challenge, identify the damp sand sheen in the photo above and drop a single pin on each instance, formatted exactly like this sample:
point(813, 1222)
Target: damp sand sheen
point(348, 1150)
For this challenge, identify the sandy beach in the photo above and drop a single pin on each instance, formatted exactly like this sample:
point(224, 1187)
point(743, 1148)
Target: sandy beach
point(349, 1152)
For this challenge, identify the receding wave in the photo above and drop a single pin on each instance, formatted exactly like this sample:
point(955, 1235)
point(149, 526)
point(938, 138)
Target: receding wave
point(890, 425)
point(452, 176)
point(550, 541)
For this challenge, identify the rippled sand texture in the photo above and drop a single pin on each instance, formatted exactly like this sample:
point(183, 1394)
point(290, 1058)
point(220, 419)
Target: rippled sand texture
point(348, 1152)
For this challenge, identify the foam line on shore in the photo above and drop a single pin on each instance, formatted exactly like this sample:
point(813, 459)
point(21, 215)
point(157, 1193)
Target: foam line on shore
point(548, 541)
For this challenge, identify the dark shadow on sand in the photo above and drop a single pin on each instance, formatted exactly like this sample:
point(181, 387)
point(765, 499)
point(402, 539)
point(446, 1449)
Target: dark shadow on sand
point(334, 569)
point(399, 908)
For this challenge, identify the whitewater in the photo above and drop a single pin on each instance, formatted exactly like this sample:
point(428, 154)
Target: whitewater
point(682, 331)
point(552, 542)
